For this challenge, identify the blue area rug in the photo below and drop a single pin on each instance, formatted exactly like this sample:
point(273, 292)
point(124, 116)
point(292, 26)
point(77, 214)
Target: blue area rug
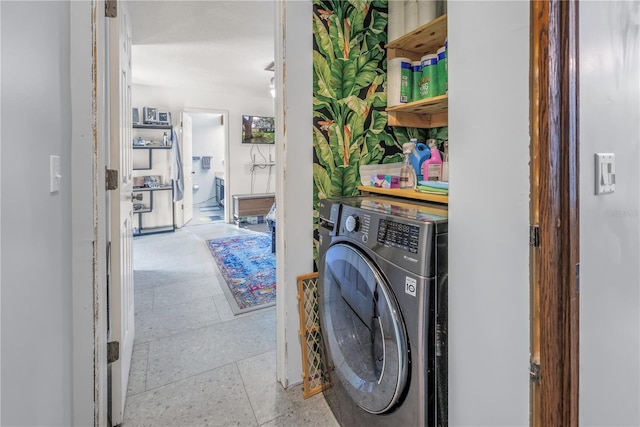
point(248, 268)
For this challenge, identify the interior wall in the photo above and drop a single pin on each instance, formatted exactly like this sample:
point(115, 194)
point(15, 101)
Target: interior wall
point(488, 213)
point(294, 130)
point(609, 224)
point(208, 140)
point(0, 215)
point(239, 155)
point(36, 305)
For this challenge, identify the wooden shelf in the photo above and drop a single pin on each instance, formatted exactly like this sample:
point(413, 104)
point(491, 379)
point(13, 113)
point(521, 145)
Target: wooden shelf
point(152, 147)
point(150, 126)
point(407, 194)
point(425, 113)
point(162, 187)
point(424, 39)
point(154, 230)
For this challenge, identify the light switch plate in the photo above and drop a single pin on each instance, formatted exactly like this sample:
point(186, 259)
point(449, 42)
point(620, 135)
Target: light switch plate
point(605, 164)
point(54, 174)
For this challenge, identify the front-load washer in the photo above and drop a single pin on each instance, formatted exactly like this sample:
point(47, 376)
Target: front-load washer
point(382, 290)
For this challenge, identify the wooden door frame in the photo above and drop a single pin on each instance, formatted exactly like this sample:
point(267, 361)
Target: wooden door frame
point(555, 210)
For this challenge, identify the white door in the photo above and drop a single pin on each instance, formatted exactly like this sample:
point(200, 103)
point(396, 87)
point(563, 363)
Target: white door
point(187, 165)
point(121, 309)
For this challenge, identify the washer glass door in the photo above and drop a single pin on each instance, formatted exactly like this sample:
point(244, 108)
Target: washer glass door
point(364, 334)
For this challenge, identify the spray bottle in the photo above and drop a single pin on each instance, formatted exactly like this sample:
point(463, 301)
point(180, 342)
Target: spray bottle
point(432, 167)
point(407, 172)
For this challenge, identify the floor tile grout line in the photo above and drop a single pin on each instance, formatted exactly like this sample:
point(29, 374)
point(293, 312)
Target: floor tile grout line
point(177, 333)
point(191, 300)
point(195, 375)
point(244, 387)
point(169, 284)
point(202, 327)
point(146, 371)
point(195, 236)
point(206, 276)
point(218, 308)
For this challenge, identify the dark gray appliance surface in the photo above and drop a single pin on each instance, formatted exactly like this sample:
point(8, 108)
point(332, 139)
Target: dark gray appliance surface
point(406, 244)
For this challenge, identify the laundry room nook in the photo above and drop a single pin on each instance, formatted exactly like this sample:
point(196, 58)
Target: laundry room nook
point(457, 232)
point(451, 197)
point(382, 286)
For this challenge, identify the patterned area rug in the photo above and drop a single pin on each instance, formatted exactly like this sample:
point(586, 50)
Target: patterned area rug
point(248, 268)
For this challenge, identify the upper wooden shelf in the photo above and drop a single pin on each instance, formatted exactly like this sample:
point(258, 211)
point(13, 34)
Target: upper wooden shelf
point(427, 38)
point(425, 113)
point(406, 194)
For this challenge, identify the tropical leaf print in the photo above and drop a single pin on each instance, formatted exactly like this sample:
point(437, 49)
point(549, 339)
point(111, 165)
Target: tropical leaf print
point(349, 98)
point(349, 80)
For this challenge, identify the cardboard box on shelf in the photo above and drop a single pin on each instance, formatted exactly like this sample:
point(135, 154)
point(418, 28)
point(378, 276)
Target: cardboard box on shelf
point(385, 181)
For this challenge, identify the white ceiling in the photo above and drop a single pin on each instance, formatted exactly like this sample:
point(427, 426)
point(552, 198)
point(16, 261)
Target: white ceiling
point(222, 46)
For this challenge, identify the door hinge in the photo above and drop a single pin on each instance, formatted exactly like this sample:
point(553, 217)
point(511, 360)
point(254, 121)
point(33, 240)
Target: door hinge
point(578, 277)
point(111, 177)
point(534, 372)
point(534, 236)
point(113, 351)
point(111, 8)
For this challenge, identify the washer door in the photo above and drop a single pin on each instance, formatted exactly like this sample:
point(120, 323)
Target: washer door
point(363, 330)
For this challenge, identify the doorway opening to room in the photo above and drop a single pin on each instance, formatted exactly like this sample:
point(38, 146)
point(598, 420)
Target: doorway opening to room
point(209, 149)
point(183, 64)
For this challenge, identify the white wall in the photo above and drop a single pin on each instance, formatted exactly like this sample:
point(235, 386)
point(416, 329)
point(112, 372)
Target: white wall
point(609, 229)
point(488, 213)
point(176, 100)
point(36, 225)
point(294, 252)
point(0, 218)
point(208, 140)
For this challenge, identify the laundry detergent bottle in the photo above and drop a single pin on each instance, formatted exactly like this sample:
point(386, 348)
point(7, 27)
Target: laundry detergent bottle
point(420, 154)
point(432, 167)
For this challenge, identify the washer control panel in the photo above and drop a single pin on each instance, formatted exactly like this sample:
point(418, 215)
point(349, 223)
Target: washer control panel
point(398, 235)
point(355, 223)
point(352, 223)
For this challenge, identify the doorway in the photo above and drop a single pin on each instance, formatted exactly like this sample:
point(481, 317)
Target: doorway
point(216, 128)
point(209, 148)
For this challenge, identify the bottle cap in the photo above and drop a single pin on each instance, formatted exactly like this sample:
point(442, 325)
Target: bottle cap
point(408, 147)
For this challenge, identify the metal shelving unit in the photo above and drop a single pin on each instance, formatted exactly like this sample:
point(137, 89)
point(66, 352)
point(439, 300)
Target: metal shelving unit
point(150, 191)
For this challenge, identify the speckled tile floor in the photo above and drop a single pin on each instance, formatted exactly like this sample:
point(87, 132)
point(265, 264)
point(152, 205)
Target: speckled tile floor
point(194, 362)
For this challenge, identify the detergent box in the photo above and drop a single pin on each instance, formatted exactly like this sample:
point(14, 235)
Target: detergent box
point(385, 181)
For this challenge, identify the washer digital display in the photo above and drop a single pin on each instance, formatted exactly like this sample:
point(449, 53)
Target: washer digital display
point(398, 235)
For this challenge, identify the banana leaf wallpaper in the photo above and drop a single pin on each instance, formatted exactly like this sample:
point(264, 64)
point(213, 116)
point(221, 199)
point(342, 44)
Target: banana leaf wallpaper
point(349, 80)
